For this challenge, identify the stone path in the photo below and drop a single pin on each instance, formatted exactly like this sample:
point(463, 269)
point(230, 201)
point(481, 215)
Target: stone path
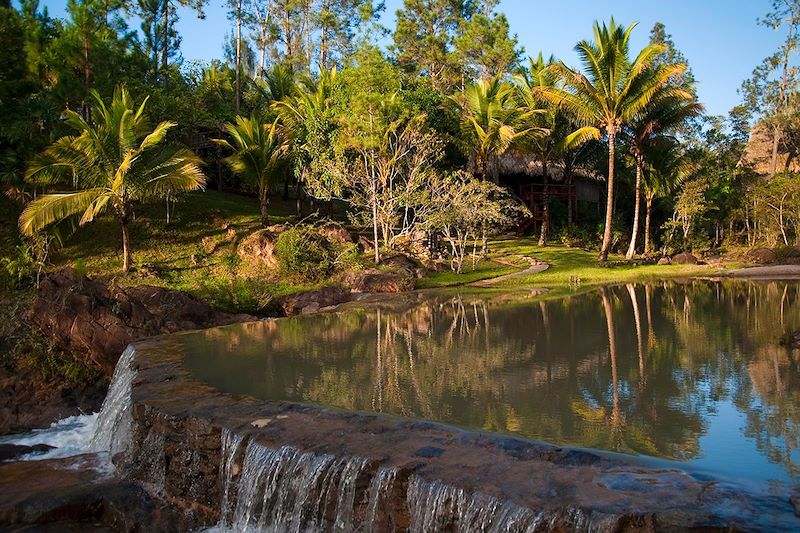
point(535, 267)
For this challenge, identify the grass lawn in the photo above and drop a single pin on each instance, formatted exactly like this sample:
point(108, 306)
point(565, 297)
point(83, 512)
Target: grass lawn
point(483, 270)
point(571, 269)
point(196, 253)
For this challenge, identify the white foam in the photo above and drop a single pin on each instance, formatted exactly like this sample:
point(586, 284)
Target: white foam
point(104, 432)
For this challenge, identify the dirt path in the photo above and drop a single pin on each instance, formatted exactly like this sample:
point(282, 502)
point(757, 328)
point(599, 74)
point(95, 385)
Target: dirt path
point(535, 267)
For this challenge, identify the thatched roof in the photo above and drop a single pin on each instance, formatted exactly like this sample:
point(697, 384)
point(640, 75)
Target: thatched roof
point(518, 162)
point(758, 153)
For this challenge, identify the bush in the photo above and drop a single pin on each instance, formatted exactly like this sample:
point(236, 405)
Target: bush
point(302, 251)
point(577, 237)
point(19, 270)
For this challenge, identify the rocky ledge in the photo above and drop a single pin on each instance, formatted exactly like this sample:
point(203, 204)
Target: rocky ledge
point(179, 450)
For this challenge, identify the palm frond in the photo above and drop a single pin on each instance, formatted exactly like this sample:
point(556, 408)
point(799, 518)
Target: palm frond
point(52, 208)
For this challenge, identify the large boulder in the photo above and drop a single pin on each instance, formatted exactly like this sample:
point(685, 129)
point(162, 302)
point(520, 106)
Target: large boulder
point(664, 261)
point(684, 258)
point(312, 301)
point(95, 322)
point(258, 248)
point(761, 256)
point(373, 280)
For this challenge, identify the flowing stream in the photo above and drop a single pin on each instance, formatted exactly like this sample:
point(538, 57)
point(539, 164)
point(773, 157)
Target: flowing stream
point(106, 431)
point(284, 489)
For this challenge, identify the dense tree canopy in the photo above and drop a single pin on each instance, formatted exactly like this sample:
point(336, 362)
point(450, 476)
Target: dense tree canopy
point(309, 98)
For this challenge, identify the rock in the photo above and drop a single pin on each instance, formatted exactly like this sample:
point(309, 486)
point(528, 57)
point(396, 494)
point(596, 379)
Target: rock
point(259, 248)
point(374, 280)
point(95, 322)
point(365, 245)
point(29, 399)
point(10, 452)
point(277, 229)
point(400, 262)
point(684, 258)
point(260, 422)
point(312, 301)
point(761, 256)
point(334, 232)
point(75, 495)
point(405, 264)
point(664, 261)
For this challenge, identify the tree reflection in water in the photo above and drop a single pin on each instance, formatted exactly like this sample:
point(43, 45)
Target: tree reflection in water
point(583, 370)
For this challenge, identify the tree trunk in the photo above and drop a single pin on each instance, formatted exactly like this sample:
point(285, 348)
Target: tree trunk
point(126, 248)
point(375, 241)
point(610, 199)
point(165, 37)
point(776, 139)
point(545, 208)
point(569, 180)
point(264, 203)
point(647, 217)
point(636, 209)
point(87, 75)
point(238, 55)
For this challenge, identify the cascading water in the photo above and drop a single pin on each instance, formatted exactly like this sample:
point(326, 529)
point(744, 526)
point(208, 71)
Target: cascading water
point(277, 490)
point(105, 431)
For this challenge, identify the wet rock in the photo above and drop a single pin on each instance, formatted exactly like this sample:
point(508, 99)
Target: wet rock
point(95, 322)
point(312, 301)
point(373, 280)
point(10, 452)
point(334, 232)
point(761, 256)
point(429, 451)
point(664, 261)
point(74, 495)
point(684, 258)
point(29, 399)
point(259, 248)
point(794, 499)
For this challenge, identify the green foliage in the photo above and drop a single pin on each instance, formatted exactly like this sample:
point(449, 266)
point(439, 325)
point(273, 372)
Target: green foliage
point(302, 251)
point(491, 122)
point(19, 270)
point(114, 161)
point(259, 155)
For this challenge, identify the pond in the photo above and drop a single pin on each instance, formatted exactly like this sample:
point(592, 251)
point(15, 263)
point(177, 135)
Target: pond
point(681, 371)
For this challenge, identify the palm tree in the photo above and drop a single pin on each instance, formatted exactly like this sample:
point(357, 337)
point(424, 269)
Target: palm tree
point(667, 167)
point(259, 155)
point(553, 128)
point(492, 121)
point(305, 114)
point(668, 110)
point(112, 162)
point(613, 91)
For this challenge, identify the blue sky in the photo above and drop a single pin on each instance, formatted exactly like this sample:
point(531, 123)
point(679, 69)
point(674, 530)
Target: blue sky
point(720, 38)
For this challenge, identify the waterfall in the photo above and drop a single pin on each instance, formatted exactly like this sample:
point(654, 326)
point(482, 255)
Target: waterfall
point(105, 431)
point(113, 426)
point(284, 489)
point(434, 506)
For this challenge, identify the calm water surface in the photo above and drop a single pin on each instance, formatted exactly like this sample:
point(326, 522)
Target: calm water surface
point(691, 372)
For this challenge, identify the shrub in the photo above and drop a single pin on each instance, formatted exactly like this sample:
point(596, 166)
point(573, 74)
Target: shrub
point(18, 270)
point(302, 251)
